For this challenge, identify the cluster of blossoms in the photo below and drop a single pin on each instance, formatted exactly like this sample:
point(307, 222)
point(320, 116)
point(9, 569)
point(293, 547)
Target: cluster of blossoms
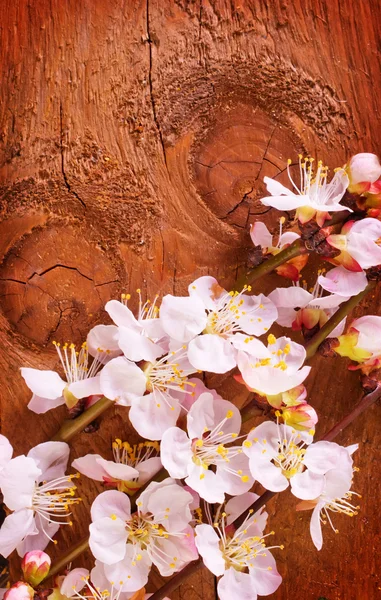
point(150, 363)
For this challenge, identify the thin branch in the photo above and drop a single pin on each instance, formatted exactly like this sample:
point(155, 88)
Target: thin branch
point(73, 426)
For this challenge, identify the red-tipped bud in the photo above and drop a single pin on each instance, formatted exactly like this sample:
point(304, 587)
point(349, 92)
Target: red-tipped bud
point(35, 566)
point(19, 591)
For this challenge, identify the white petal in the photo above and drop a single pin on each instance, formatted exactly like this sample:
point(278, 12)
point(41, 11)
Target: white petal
point(148, 468)
point(133, 573)
point(206, 483)
point(264, 575)
point(110, 503)
point(315, 527)
point(121, 314)
point(42, 405)
point(108, 539)
point(40, 538)
point(286, 202)
point(153, 414)
point(51, 458)
point(17, 482)
point(364, 166)
point(275, 188)
point(342, 282)
point(260, 235)
point(137, 346)
point(208, 290)
point(237, 585)
point(208, 545)
point(103, 337)
point(118, 470)
point(74, 581)
point(14, 529)
point(364, 250)
point(6, 451)
point(212, 353)
point(175, 451)
point(323, 456)
point(250, 345)
point(182, 318)
point(267, 474)
point(232, 484)
point(47, 384)
point(122, 380)
point(86, 387)
point(159, 497)
point(89, 466)
point(287, 238)
point(307, 485)
point(290, 297)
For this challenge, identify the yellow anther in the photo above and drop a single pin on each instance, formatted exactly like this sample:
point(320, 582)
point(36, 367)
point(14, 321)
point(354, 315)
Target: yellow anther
point(247, 444)
point(229, 414)
point(271, 339)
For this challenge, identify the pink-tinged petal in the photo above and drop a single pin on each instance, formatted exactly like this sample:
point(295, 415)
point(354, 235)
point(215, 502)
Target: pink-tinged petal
point(208, 545)
point(267, 474)
point(271, 381)
point(6, 451)
point(121, 314)
point(14, 529)
point(315, 527)
point(153, 414)
point(290, 202)
point(137, 347)
point(206, 484)
point(40, 538)
point(122, 380)
point(364, 250)
point(250, 345)
point(307, 485)
point(260, 235)
point(201, 415)
point(369, 227)
point(51, 458)
point(182, 548)
point(158, 497)
point(47, 384)
point(182, 318)
point(237, 505)
point(103, 337)
point(147, 469)
point(290, 297)
point(288, 238)
point(42, 405)
point(338, 482)
point(369, 332)
point(108, 538)
point(295, 357)
point(323, 456)
point(73, 582)
point(118, 470)
point(232, 484)
point(89, 466)
point(264, 575)
point(364, 166)
point(176, 452)
point(236, 584)
point(258, 314)
point(110, 503)
point(86, 387)
point(208, 290)
point(17, 482)
point(275, 188)
point(133, 573)
point(98, 577)
point(210, 352)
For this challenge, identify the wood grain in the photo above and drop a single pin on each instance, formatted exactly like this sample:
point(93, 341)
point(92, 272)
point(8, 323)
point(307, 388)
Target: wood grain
point(134, 137)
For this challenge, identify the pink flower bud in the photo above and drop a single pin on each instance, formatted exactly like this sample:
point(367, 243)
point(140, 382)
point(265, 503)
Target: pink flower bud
point(364, 167)
point(35, 566)
point(19, 591)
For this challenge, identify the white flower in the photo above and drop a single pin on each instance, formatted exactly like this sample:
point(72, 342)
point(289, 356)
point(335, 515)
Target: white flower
point(213, 424)
point(364, 167)
point(277, 370)
point(131, 468)
point(96, 585)
point(149, 391)
point(222, 317)
point(141, 338)
point(359, 244)
point(336, 497)
point(313, 196)
point(240, 556)
point(82, 380)
point(157, 533)
point(39, 493)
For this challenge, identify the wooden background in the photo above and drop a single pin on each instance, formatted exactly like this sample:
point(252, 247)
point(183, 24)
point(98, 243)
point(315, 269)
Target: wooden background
point(134, 137)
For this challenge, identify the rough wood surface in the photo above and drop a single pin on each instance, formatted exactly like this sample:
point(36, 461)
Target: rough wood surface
point(134, 137)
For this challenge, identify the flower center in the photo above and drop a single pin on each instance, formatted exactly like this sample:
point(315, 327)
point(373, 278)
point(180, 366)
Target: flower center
point(340, 505)
point(166, 374)
point(75, 364)
point(147, 309)
point(52, 499)
point(224, 319)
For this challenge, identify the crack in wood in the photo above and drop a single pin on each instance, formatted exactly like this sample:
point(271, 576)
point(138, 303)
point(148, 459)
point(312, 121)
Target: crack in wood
point(67, 184)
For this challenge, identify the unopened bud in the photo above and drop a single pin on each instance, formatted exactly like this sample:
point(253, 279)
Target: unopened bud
point(19, 591)
point(302, 417)
point(35, 566)
point(364, 167)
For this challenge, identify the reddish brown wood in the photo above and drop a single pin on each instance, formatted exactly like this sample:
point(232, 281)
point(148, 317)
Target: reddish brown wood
point(134, 136)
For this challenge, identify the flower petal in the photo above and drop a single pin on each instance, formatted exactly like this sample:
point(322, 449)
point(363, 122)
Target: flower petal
point(41, 405)
point(307, 485)
point(315, 527)
point(86, 387)
point(47, 384)
point(342, 282)
point(17, 482)
point(121, 314)
point(108, 539)
point(206, 483)
point(6, 451)
point(122, 380)
point(51, 458)
point(175, 451)
point(73, 582)
point(182, 318)
point(105, 338)
point(208, 545)
point(14, 529)
point(137, 346)
point(169, 502)
point(264, 575)
point(212, 353)
point(236, 584)
point(260, 235)
point(131, 572)
point(153, 414)
point(110, 503)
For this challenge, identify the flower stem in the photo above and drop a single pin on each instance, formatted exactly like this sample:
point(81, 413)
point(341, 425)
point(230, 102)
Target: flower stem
point(313, 345)
point(295, 249)
point(72, 426)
